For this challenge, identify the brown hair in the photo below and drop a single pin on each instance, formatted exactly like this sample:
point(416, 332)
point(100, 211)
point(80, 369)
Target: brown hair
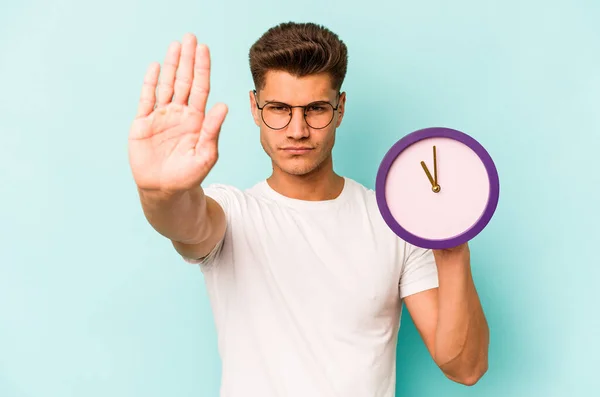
point(300, 49)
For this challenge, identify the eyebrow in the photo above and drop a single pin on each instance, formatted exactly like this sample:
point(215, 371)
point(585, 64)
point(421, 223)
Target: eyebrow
point(279, 101)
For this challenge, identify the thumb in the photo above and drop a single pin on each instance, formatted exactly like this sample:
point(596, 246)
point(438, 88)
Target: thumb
point(211, 126)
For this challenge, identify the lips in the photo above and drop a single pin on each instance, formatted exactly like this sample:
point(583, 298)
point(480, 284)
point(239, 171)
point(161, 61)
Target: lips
point(296, 149)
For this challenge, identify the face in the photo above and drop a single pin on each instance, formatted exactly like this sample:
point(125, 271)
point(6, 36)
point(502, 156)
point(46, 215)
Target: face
point(297, 149)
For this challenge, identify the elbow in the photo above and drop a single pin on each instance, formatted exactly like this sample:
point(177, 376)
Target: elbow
point(471, 376)
point(467, 372)
point(470, 380)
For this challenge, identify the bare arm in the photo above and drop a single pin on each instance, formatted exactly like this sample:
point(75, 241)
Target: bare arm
point(451, 320)
point(193, 222)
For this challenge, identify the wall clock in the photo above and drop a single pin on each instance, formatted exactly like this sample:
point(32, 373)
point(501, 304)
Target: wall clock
point(437, 188)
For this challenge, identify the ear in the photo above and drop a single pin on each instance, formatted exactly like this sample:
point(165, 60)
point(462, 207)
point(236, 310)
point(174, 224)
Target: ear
point(341, 109)
point(253, 109)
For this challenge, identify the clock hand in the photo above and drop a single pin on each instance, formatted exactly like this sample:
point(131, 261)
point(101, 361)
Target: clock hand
point(434, 167)
point(428, 174)
point(434, 186)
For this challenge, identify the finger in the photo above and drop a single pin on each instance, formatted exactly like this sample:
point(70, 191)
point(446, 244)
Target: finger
point(148, 95)
point(185, 70)
point(211, 127)
point(201, 83)
point(167, 77)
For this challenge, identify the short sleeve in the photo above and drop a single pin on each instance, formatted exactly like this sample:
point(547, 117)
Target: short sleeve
point(223, 195)
point(419, 272)
point(209, 259)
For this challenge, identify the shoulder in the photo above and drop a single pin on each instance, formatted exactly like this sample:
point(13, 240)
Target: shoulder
point(224, 194)
point(231, 197)
point(222, 191)
point(357, 187)
point(360, 193)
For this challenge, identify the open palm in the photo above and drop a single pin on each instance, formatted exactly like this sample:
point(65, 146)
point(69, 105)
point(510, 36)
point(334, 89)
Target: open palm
point(172, 140)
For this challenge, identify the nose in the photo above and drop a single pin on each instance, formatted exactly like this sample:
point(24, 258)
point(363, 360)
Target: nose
point(297, 128)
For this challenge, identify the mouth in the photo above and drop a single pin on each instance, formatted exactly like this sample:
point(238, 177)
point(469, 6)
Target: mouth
point(296, 149)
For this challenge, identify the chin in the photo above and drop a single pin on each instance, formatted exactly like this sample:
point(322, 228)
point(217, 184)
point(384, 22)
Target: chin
point(298, 170)
point(296, 167)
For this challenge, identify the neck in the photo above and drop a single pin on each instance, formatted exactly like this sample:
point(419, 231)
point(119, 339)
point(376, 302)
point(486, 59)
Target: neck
point(318, 185)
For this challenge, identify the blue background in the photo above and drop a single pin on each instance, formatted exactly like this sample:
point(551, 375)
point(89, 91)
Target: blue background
point(94, 303)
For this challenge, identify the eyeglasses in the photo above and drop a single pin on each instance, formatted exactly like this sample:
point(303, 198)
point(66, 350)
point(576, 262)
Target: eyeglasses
point(277, 115)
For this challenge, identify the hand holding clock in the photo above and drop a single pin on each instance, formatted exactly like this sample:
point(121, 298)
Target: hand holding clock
point(450, 317)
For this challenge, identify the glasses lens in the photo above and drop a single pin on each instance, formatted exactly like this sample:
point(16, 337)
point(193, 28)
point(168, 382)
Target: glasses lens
point(276, 115)
point(319, 114)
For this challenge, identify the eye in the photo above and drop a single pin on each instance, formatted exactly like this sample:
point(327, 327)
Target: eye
point(277, 108)
point(317, 108)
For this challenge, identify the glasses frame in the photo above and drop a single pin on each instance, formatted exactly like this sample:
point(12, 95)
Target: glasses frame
point(303, 107)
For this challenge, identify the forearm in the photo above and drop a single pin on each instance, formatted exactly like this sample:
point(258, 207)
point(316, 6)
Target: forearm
point(181, 217)
point(462, 335)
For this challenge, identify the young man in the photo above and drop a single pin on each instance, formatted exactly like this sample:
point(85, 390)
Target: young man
point(305, 279)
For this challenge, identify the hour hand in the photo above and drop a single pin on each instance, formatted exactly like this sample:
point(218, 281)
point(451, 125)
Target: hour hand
point(434, 186)
point(428, 174)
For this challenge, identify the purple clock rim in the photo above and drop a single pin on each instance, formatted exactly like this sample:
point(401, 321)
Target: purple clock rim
point(444, 132)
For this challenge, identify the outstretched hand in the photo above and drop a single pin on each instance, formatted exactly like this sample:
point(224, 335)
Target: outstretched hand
point(173, 140)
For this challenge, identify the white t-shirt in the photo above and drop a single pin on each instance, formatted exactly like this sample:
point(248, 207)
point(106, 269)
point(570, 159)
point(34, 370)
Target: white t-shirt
point(306, 295)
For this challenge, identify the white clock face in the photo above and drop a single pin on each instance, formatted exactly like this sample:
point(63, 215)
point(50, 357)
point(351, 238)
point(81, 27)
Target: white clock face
point(464, 188)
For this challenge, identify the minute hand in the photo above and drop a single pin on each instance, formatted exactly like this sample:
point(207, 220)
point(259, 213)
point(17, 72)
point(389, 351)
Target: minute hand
point(435, 180)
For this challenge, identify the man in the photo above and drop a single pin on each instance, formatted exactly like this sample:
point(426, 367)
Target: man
point(305, 279)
